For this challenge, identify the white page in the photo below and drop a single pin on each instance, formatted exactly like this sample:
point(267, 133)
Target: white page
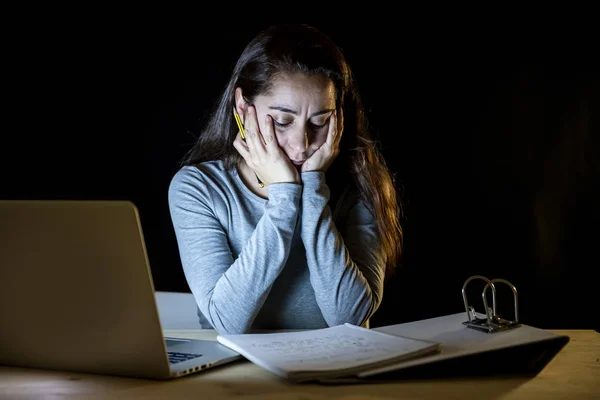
point(333, 348)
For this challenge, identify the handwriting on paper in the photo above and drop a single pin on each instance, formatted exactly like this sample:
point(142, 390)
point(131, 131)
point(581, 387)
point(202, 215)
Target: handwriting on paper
point(331, 349)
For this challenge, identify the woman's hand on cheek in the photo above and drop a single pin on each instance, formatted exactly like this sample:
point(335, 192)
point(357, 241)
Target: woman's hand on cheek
point(262, 153)
point(321, 159)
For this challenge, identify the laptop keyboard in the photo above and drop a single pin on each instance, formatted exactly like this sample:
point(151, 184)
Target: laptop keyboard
point(176, 357)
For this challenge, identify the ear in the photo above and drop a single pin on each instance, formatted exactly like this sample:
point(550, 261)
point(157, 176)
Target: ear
point(240, 103)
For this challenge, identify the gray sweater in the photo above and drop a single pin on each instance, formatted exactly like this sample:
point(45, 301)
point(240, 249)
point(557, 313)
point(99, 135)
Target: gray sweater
point(284, 263)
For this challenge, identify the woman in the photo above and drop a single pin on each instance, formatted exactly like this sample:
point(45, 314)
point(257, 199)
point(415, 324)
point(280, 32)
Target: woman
point(297, 225)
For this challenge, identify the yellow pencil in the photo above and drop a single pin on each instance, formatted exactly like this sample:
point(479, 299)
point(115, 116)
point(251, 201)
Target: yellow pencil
point(241, 128)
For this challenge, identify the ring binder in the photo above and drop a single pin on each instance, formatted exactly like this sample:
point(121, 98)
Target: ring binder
point(492, 322)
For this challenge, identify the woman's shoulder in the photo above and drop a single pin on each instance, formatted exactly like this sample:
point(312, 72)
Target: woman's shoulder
point(208, 170)
point(198, 177)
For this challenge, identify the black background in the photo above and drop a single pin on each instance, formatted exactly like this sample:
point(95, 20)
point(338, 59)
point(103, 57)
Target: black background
point(492, 138)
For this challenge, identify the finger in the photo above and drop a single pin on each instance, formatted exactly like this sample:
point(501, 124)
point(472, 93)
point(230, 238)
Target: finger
point(242, 148)
point(332, 131)
point(252, 131)
point(340, 123)
point(269, 135)
point(339, 126)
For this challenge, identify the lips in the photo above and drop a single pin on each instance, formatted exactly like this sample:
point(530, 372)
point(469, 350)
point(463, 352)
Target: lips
point(297, 162)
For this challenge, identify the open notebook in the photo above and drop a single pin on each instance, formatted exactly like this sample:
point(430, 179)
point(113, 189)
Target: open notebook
point(471, 344)
point(326, 353)
point(466, 352)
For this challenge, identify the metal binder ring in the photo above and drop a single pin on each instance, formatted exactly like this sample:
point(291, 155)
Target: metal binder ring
point(487, 311)
point(514, 289)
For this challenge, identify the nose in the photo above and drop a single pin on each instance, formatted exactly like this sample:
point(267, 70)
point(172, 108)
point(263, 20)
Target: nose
point(298, 140)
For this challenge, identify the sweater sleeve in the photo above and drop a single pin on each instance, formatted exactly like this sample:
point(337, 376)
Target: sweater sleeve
point(347, 268)
point(230, 289)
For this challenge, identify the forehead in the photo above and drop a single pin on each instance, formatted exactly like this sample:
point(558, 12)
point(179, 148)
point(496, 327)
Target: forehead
point(299, 88)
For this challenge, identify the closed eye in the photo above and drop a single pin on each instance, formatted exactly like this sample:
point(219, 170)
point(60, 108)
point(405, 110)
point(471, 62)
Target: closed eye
point(320, 126)
point(316, 126)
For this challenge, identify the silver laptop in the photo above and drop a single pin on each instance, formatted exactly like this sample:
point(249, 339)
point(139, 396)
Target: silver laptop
point(76, 294)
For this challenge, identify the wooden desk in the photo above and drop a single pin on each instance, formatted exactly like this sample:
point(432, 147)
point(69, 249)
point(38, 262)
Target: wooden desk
point(573, 374)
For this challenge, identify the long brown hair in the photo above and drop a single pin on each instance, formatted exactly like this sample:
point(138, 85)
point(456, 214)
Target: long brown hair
point(299, 48)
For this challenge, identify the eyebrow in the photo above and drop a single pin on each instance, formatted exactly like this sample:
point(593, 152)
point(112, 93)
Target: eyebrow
point(289, 110)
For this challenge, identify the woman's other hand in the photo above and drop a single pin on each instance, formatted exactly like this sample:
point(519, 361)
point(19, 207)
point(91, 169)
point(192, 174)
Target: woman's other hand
point(321, 159)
